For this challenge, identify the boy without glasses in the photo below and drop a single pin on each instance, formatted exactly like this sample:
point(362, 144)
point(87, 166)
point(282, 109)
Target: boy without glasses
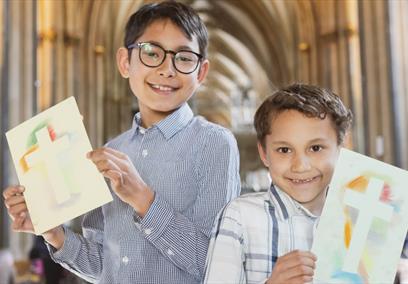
point(171, 172)
point(266, 237)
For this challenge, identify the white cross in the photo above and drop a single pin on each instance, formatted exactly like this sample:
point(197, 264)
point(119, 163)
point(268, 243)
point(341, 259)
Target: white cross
point(369, 206)
point(46, 153)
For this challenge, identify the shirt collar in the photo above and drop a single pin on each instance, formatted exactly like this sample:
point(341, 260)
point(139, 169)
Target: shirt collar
point(170, 125)
point(287, 206)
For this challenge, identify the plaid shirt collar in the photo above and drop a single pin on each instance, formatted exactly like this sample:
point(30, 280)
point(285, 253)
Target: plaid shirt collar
point(287, 205)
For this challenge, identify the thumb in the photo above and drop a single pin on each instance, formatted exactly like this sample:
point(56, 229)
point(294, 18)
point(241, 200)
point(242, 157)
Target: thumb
point(18, 223)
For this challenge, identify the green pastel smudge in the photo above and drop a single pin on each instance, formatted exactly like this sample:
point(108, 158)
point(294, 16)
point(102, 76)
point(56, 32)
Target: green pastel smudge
point(32, 139)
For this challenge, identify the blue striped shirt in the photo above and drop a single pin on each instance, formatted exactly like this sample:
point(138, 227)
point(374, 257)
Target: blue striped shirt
point(252, 232)
point(193, 167)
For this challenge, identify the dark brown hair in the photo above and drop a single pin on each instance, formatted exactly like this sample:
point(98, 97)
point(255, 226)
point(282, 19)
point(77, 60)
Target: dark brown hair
point(310, 100)
point(181, 15)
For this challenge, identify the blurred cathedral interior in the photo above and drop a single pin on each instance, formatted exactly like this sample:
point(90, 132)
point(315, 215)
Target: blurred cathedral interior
point(53, 49)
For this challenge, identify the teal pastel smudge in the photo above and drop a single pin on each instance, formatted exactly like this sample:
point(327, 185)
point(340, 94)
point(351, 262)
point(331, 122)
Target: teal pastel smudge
point(346, 277)
point(396, 207)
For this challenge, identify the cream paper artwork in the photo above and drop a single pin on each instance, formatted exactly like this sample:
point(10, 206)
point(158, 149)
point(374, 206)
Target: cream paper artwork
point(49, 154)
point(361, 232)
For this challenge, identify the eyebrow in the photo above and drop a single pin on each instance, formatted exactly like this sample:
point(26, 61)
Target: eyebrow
point(182, 47)
point(316, 140)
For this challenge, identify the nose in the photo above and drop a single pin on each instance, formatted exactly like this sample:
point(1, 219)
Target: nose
point(166, 69)
point(300, 163)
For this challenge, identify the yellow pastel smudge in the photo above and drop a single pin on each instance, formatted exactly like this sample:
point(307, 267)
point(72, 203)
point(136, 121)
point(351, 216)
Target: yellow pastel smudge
point(23, 162)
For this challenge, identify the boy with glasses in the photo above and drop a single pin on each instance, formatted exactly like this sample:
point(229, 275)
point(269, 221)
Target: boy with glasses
point(170, 173)
point(266, 237)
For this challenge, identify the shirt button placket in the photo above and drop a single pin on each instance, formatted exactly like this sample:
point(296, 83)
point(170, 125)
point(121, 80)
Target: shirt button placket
point(125, 260)
point(145, 153)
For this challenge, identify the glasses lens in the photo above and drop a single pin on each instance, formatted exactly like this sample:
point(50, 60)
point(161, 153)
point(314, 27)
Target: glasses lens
point(186, 61)
point(151, 55)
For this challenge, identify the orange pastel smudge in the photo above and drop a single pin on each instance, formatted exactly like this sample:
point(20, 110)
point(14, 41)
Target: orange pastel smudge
point(23, 162)
point(358, 184)
point(347, 233)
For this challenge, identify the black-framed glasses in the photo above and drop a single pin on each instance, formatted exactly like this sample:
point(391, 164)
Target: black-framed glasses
point(153, 55)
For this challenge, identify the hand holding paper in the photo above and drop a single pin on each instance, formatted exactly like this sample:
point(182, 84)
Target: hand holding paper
point(293, 267)
point(17, 209)
point(21, 221)
point(49, 153)
point(125, 180)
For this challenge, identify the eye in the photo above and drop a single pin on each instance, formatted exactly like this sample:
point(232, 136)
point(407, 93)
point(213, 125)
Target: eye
point(316, 148)
point(185, 57)
point(283, 150)
point(151, 54)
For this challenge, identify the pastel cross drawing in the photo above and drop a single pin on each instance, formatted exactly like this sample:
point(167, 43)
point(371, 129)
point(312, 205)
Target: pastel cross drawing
point(46, 153)
point(369, 206)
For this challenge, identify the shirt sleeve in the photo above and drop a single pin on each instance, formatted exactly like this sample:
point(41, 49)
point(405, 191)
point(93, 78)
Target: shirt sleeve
point(226, 253)
point(83, 255)
point(184, 239)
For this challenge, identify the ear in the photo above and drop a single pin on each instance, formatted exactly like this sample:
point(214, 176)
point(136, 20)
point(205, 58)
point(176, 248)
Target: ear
point(262, 154)
point(123, 62)
point(202, 73)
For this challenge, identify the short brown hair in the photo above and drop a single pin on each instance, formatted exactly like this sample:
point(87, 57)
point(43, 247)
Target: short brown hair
point(310, 100)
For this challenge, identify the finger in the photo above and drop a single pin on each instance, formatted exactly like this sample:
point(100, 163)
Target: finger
point(296, 263)
point(17, 210)
point(114, 176)
point(18, 223)
point(294, 259)
point(120, 159)
point(299, 271)
point(116, 153)
point(104, 151)
point(300, 280)
point(106, 165)
point(14, 200)
point(22, 224)
point(295, 255)
point(301, 253)
point(12, 191)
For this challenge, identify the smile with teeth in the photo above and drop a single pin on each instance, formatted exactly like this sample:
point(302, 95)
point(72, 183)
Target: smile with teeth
point(300, 181)
point(162, 88)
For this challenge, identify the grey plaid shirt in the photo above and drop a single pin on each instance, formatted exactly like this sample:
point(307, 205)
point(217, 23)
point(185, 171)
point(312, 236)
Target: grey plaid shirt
point(252, 232)
point(193, 167)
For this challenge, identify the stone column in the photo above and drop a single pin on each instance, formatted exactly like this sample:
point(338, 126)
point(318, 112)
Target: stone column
point(4, 62)
point(339, 62)
point(18, 96)
point(398, 31)
point(376, 79)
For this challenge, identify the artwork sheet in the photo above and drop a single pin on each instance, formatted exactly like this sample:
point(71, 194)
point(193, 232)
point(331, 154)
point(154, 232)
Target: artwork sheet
point(364, 221)
point(49, 154)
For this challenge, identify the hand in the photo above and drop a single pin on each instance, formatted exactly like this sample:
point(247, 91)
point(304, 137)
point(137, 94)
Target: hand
point(17, 209)
point(125, 179)
point(18, 212)
point(293, 268)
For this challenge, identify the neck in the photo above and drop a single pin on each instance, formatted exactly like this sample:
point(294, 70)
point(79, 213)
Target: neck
point(149, 118)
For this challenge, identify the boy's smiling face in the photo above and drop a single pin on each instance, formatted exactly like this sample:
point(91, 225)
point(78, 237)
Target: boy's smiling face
point(301, 153)
point(160, 90)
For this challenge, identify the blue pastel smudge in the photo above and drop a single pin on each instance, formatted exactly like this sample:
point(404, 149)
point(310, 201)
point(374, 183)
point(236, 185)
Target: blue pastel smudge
point(343, 276)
